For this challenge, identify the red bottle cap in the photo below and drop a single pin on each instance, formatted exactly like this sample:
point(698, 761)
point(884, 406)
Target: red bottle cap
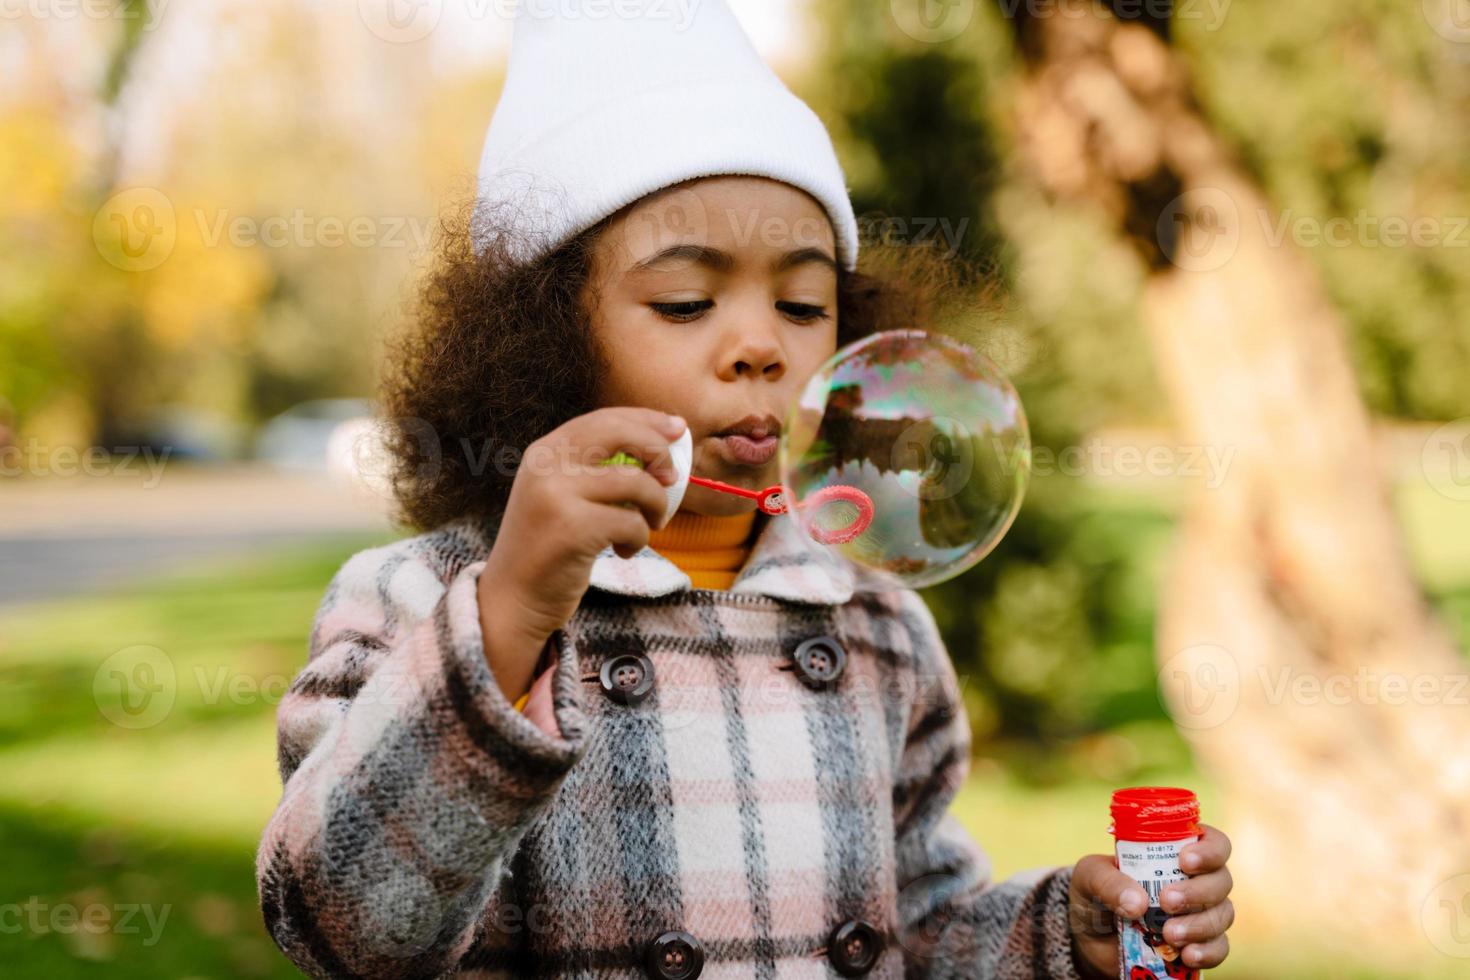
point(1154, 813)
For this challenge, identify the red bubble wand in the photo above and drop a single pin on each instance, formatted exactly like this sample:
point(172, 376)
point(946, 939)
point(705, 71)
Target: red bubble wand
point(772, 500)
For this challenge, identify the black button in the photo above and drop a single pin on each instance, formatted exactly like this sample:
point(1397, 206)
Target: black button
point(853, 947)
point(675, 955)
point(627, 678)
point(820, 659)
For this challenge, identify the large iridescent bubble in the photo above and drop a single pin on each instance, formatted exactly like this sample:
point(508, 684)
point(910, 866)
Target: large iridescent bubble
point(915, 442)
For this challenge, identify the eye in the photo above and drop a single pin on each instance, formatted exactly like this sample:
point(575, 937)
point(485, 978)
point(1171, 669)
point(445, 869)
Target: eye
point(682, 312)
point(804, 312)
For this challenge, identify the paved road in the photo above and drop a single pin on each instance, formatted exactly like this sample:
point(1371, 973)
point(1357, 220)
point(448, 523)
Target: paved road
point(65, 536)
point(43, 568)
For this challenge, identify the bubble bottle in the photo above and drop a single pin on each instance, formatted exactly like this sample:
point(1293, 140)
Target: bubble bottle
point(1151, 825)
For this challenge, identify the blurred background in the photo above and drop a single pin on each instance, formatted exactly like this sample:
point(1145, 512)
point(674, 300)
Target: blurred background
point(1237, 239)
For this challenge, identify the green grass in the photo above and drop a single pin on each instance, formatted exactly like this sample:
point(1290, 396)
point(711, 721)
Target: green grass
point(165, 818)
point(112, 824)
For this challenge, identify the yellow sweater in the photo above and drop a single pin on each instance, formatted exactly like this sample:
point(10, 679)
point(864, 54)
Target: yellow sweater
point(710, 550)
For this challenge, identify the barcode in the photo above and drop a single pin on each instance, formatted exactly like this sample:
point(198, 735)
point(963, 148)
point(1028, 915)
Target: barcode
point(1153, 888)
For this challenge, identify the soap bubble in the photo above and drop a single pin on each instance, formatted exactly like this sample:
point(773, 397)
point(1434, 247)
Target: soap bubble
point(908, 454)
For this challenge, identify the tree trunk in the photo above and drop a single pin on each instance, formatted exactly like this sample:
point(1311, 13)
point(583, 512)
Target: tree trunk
point(1296, 651)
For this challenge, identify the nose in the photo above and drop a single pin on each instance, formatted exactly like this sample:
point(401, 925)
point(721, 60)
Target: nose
point(757, 365)
point(757, 353)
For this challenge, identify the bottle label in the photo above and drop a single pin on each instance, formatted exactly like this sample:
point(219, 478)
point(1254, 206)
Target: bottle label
point(1145, 954)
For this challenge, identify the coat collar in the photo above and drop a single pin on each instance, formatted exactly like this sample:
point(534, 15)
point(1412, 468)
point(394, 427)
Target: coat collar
point(782, 564)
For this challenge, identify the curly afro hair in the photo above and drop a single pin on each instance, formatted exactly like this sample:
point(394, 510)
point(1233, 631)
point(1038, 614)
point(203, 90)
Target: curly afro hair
point(499, 352)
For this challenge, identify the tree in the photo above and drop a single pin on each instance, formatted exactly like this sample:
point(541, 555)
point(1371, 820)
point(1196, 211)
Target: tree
point(1291, 577)
point(915, 124)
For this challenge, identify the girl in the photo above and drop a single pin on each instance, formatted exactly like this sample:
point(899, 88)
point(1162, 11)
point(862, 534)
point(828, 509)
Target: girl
point(731, 762)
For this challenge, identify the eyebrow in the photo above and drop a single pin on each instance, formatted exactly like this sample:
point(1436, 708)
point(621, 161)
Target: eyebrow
point(721, 261)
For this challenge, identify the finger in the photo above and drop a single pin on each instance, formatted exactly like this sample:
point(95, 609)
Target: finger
point(1201, 926)
point(1088, 916)
point(1098, 878)
point(1197, 893)
point(637, 446)
point(622, 485)
point(652, 417)
point(1211, 851)
point(643, 433)
point(1208, 954)
point(627, 531)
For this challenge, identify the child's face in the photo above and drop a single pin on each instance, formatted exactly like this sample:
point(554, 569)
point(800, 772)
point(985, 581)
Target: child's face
point(730, 325)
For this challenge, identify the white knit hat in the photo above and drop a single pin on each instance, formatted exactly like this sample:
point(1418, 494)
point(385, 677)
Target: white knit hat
point(606, 101)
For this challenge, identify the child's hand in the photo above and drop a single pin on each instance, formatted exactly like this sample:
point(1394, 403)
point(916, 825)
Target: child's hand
point(563, 509)
point(1199, 908)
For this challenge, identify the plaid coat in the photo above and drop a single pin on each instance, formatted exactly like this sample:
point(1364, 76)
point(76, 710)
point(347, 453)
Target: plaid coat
point(727, 802)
